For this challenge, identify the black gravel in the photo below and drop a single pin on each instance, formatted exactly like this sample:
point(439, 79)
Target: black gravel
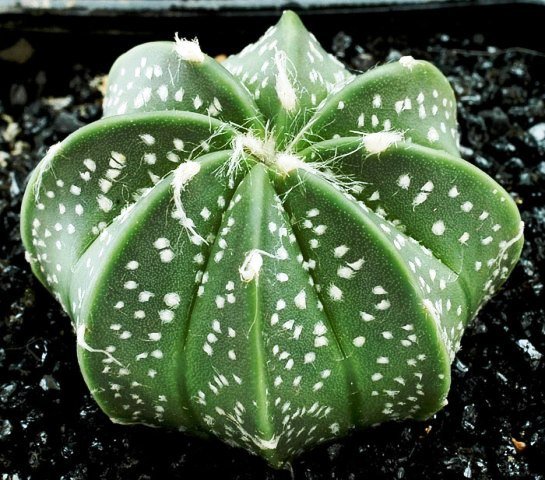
point(494, 425)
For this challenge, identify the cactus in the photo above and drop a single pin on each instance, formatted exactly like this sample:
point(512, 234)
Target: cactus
point(272, 250)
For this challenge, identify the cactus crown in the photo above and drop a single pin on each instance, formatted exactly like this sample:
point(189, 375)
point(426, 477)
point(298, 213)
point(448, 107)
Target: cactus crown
point(272, 250)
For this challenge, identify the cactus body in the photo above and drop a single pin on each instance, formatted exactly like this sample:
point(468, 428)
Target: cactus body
point(273, 251)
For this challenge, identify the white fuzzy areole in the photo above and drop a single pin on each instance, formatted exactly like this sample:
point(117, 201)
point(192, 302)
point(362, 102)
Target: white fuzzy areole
point(182, 176)
point(43, 167)
point(379, 141)
point(249, 143)
point(284, 88)
point(188, 50)
point(251, 266)
point(408, 62)
point(287, 162)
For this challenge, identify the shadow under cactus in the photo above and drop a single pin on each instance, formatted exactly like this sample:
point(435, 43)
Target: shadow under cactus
point(494, 425)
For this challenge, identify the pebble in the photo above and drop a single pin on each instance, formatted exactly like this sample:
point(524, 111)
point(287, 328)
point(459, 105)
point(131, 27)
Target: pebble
point(538, 131)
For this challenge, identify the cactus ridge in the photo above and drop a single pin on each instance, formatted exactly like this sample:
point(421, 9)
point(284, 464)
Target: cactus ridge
point(272, 251)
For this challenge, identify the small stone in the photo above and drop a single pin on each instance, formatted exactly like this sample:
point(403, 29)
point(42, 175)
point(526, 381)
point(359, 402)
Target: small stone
point(5, 429)
point(49, 383)
point(538, 132)
point(527, 347)
point(519, 445)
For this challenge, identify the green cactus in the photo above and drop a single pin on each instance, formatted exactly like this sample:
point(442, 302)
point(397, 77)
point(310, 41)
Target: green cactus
point(271, 250)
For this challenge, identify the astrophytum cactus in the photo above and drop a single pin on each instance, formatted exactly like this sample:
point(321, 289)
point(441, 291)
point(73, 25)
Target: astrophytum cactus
point(271, 250)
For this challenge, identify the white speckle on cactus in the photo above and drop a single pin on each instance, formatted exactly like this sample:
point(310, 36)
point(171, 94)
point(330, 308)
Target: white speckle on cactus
point(178, 144)
point(166, 316)
point(335, 293)
point(75, 190)
point(197, 102)
point(374, 196)
point(125, 335)
point(300, 300)
point(172, 300)
point(464, 238)
point(340, 251)
point(438, 228)
point(145, 296)
point(282, 254)
point(161, 243)
point(345, 272)
point(433, 136)
point(357, 264)
point(422, 112)
point(173, 157)
point(320, 229)
point(105, 185)
point(150, 158)
point(117, 160)
point(188, 50)
point(162, 91)
point(104, 203)
point(399, 106)
point(466, 207)
point(310, 357)
point(404, 181)
point(90, 165)
point(251, 266)
point(166, 255)
point(453, 192)
point(179, 95)
point(130, 285)
point(147, 139)
point(361, 120)
point(282, 277)
point(383, 305)
point(359, 342)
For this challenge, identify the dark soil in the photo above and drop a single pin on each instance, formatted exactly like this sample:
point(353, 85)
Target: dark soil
point(494, 425)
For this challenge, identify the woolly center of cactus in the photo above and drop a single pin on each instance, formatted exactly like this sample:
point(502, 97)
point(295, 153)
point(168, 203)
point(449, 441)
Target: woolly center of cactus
point(285, 161)
point(264, 151)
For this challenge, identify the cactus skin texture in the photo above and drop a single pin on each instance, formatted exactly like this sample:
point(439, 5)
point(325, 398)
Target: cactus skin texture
point(273, 251)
